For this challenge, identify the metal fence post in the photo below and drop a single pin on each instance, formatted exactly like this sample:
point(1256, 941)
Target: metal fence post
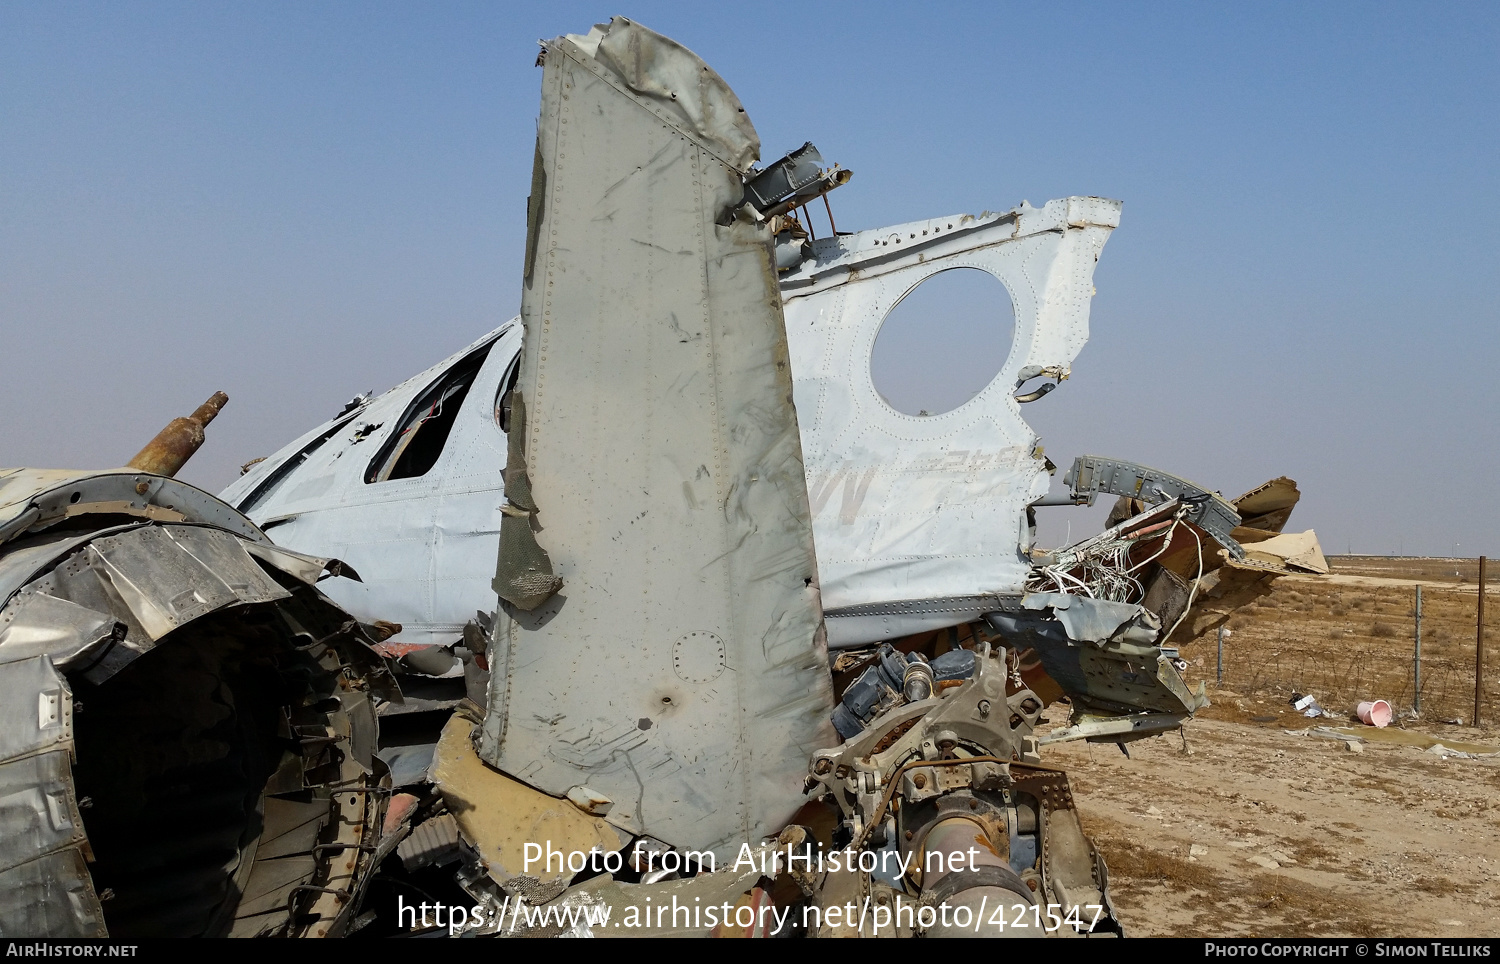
point(1220, 674)
point(1416, 664)
point(1479, 646)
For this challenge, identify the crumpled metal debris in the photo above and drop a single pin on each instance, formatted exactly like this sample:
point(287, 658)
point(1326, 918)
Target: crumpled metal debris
point(222, 780)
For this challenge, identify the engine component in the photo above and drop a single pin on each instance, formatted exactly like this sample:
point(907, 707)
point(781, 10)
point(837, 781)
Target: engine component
point(958, 774)
point(203, 762)
point(892, 679)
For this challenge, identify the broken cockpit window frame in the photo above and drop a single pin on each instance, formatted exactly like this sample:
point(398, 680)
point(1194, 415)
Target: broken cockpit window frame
point(279, 474)
point(506, 394)
point(419, 437)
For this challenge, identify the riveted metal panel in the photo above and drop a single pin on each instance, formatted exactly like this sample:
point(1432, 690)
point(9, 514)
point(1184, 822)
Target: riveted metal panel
point(665, 466)
point(910, 508)
point(38, 809)
point(36, 708)
point(51, 896)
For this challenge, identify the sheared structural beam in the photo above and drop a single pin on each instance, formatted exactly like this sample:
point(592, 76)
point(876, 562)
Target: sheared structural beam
point(659, 642)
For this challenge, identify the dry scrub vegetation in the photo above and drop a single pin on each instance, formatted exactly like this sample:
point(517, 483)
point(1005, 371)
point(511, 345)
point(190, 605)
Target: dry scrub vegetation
point(1349, 637)
point(1248, 827)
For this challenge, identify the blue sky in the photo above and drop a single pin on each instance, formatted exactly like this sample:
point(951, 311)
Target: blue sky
point(298, 202)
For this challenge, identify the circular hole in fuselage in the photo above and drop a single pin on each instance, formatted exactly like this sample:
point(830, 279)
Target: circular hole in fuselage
point(944, 342)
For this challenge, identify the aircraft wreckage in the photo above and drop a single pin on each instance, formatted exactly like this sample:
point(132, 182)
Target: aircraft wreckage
point(762, 642)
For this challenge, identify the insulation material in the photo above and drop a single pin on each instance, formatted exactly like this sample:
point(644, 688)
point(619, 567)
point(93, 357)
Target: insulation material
point(1294, 550)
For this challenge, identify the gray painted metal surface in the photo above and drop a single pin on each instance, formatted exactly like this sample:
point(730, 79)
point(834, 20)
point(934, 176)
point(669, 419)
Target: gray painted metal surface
point(679, 671)
point(909, 508)
point(424, 547)
point(1091, 474)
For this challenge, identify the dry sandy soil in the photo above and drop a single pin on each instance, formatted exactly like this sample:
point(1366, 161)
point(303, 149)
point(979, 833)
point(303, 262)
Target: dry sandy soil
point(1259, 832)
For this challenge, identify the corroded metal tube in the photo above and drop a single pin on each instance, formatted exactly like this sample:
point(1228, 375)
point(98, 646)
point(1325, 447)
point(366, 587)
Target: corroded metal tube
point(174, 445)
point(993, 899)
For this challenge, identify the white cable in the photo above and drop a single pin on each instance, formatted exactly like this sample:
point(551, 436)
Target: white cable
point(1191, 595)
point(1164, 546)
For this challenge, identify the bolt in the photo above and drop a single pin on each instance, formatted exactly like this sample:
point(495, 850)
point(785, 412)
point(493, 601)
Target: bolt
point(908, 834)
point(919, 781)
point(973, 804)
point(142, 487)
point(984, 708)
point(822, 767)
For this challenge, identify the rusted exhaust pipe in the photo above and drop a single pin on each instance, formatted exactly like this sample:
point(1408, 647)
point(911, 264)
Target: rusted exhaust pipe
point(174, 445)
point(993, 897)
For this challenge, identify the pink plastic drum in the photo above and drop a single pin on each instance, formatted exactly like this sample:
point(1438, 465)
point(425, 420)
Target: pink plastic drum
point(1377, 713)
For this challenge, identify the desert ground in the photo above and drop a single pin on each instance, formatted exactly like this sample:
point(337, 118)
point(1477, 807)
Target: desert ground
point(1245, 825)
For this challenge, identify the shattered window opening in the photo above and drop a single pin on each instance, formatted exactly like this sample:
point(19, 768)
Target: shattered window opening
point(279, 474)
point(944, 342)
point(503, 396)
point(418, 440)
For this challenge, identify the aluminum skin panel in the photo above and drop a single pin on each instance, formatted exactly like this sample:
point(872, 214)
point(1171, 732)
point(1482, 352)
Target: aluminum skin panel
point(51, 896)
point(38, 809)
point(33, 499)
point(911, 508)
point(36, 709)
point(679, 671)
point(424, 547)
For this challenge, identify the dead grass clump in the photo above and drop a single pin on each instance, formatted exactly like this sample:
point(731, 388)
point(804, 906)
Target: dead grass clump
point(1300, 906)
point(1311, 852)
point(1383, 630)
point(1143, 863)
point(1442, 886)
